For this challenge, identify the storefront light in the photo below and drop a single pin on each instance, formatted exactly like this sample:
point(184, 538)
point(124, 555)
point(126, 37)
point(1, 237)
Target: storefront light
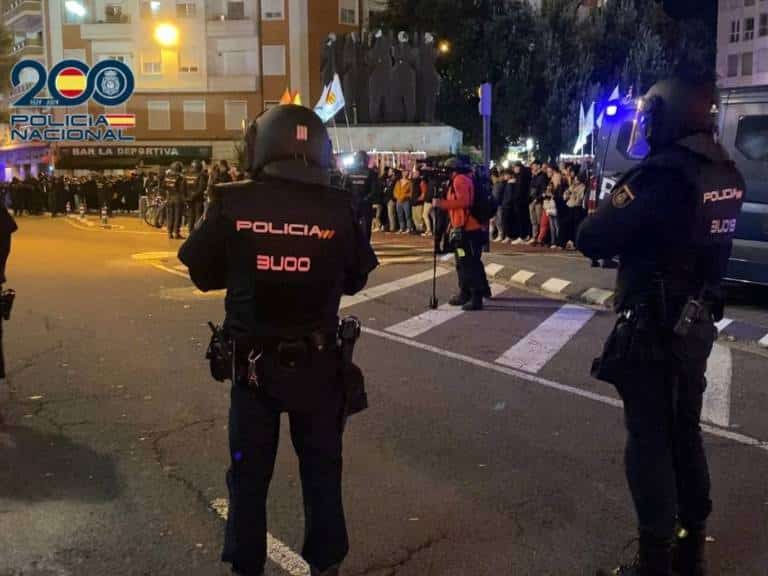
point(75, 7)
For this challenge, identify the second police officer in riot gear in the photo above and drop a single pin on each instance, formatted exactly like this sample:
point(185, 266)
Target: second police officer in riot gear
point(175, 189)
point(286, 246)
point(671, 221)
point(197, 182)
point(362, 182)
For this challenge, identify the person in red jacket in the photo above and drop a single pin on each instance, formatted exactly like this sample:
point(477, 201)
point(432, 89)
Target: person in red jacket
point(467, 236)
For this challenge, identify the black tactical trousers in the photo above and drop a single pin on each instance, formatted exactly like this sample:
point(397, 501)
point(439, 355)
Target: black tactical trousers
point(195, 213)
point(365, 217)
point(254, 430)
point(665, 461)
point(175, 210)
point(469, 264)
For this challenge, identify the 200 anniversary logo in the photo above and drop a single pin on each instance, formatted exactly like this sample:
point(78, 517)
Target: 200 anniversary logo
point(73, 83)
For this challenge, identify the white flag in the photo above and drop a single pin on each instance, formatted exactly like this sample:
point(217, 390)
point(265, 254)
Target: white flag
point(321, 103)
point(334, 100)
point(616, 94)
point(589, 122)
point(600, 119)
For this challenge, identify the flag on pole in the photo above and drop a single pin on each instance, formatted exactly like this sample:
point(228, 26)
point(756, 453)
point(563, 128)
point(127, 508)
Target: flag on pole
point(599, 121)
point(323, 96)
point(589, 122)
point(286, 98)
point(332, 100)
point(616, 94)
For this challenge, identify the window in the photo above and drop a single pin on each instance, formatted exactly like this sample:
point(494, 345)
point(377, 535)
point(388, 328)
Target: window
point(235, 111)
point(188, 61)
point(273, 58)
point(752, 137)
point(272, 9)
point(185, 9)
point(149, 9)
point(194, 114)
point(348, 12)
point(733, 65)
point(763, 31)
point(236, 10)
point(234, 63)
point(762, 61)
point(119, 57)
point(735, 30)
point(113, 13)
point(159, 113)
point(151, 63)
point(746, 64)
point(269, 104)
point(74, 15)
point(749, 29)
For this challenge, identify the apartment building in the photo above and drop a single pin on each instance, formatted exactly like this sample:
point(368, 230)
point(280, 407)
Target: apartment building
point(742, 43)
point(201, 66)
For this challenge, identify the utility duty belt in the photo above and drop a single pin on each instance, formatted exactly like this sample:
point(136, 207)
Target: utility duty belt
point(281, 364)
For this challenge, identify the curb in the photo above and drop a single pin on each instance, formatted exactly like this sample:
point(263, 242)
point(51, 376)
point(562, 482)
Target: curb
point(733, 330)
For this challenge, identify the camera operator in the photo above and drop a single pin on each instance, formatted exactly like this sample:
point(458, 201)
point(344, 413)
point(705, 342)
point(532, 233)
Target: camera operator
point(286, 246)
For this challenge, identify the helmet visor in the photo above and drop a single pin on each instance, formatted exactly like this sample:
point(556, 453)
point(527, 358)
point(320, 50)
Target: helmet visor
point(638, 143)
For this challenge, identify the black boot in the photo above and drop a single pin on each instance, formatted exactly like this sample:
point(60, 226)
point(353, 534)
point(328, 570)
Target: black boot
point(688, 553)
point(653, 559)
point(459, 299)
point(475, 303)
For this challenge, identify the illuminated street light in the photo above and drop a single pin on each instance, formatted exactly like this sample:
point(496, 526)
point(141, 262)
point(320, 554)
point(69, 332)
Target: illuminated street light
point(529, 144)
point(444, 47)
point(167, 34)
point(75, 7)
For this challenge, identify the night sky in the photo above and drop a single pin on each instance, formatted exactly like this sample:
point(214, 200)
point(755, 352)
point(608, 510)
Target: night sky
point(704, 9)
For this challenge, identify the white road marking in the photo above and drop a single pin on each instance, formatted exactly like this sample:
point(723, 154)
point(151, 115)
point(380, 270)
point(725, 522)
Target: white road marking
point(522, 277)
point(541, 344)
point(493, 269)
point(717, 398)
point(555, 285)
point(597, 296)
point(532, 378)
point(723, 324)
point(390, 287)
point(153, 255)
point(170, 270)
point(422, 323)
point(277, 551)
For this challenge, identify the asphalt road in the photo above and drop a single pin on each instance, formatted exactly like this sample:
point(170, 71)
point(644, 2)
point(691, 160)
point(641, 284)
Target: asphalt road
point(487, 449)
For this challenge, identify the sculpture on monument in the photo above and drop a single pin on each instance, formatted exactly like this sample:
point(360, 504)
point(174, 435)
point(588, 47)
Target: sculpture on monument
point(384, 81)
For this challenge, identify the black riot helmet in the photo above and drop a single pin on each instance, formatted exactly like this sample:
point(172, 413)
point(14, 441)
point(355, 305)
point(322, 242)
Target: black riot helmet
point(361, 159)
point(672, 110)
point(289, 142)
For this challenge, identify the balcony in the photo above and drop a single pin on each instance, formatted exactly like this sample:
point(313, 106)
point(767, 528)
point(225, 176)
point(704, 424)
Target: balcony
point(244, 83)
point(24, 15)
point(223, 27)
point(28, 48)
point(107, 30)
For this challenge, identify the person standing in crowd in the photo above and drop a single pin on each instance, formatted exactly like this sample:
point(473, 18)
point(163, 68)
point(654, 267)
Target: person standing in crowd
point(389, 180)
point(417, 201)
point(283, 327)
point(362, 183)
point(557, 205)
point(674, 253)
point(196, 185)
point(539, 183)
point(429, 184)
point(174, 186)
point(574, 199)
point(520, 198)
point(467, 236)
point(403, 194)
point(497, 225)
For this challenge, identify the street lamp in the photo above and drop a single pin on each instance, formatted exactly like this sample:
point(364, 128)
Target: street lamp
point(529, 144)
point(166, 34)
point(444, 47)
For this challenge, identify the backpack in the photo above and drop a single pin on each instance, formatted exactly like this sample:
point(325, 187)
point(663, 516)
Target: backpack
point(484, 205)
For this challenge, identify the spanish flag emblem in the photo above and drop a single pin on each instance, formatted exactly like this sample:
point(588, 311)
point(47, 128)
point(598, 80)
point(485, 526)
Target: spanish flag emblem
point(71, 82)
point(121, 120)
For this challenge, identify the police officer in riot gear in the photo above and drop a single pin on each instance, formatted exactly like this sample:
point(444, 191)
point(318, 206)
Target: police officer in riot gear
point(175, 187)
point(197, 182)
point(286, 246)
point(363, 184)
point(671, 221)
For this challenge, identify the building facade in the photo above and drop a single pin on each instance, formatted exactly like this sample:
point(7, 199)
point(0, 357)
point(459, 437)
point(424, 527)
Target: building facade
point(742, 43)
point(224, 62)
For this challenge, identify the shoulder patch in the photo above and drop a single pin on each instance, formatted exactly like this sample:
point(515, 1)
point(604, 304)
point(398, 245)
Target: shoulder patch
point(622, 197)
